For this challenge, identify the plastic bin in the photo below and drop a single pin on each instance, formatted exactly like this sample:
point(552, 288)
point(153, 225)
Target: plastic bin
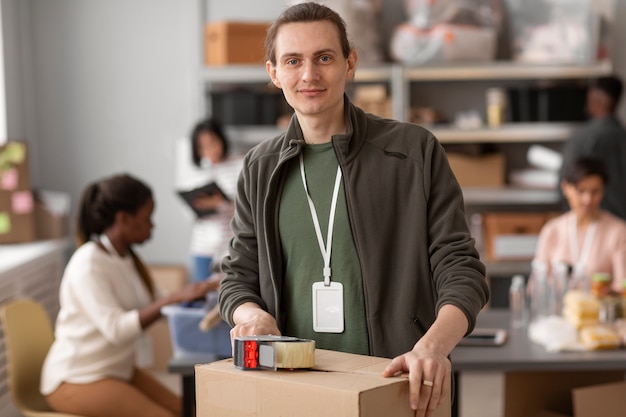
point(188, 341)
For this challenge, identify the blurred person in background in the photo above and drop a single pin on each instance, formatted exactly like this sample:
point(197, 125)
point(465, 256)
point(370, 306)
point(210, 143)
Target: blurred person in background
point(107, 300)
point(210, 152)
point(586, 238)
point(602, 137)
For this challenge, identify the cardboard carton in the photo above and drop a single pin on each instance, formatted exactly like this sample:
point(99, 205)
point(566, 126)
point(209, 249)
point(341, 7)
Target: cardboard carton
point(17, 218)
point(341, 384)
point(606, 400)
point(167, 279)
point(478, 170)
point(530, 394)
point(234, 43)
point(51, 214)
point(512, 236)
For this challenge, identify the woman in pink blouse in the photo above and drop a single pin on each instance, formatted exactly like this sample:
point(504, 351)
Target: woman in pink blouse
point(586, 238)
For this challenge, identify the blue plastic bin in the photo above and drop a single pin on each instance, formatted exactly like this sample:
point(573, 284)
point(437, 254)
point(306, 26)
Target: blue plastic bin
point(188, 341)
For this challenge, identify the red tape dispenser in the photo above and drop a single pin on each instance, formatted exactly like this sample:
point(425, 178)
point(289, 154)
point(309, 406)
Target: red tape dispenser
point(273, 352)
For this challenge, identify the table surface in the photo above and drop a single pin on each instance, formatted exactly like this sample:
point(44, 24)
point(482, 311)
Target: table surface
point(519, 353)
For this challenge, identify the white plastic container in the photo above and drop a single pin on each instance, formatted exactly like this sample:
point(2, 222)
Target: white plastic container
point(188, 341)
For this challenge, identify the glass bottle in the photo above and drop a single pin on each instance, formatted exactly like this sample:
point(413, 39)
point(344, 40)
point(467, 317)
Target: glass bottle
point(517, 301)
point(541, 298)
point(559, 280)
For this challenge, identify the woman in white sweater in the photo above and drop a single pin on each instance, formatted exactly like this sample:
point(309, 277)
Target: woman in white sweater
point(107, 300)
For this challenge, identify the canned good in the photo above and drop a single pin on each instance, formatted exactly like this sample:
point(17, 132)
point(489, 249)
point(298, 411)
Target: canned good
point(600, 284)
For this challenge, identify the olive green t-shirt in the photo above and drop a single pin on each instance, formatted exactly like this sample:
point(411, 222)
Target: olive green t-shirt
point(303, 260)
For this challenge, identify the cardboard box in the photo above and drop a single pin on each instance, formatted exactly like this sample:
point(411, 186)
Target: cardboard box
point(478, 171)
point(512, 236)
point(167, 279)
point(341, 384)
point(14, 167)
point(234, 43)
point(606, 400)
point(51, 214)
point(534, 394)
point(17, 218)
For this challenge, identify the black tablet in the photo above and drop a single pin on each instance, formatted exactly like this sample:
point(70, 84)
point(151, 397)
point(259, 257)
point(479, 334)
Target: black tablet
point(207, 190)
point(484, 337)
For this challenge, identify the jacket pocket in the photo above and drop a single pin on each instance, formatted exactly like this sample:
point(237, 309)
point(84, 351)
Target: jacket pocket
point(419, 326)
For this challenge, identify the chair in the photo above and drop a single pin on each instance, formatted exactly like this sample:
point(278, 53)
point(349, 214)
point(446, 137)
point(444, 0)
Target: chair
point(28, 336)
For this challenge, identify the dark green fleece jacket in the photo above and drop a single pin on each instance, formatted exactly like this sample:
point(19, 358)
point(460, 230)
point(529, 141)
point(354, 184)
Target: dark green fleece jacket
point(408, 223)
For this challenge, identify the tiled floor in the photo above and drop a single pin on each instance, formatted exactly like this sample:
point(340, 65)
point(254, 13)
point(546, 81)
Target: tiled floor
point(481, 394)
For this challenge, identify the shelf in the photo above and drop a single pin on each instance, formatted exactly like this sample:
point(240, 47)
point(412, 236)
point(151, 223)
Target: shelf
point(254, 74)
point(494, 196)
point(505, 269)
point(507, 70)
point(251, 135)
point(497, 70)
point(507, 133)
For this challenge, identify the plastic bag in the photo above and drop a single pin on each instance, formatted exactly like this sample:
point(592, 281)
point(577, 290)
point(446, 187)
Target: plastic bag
point(447, 30)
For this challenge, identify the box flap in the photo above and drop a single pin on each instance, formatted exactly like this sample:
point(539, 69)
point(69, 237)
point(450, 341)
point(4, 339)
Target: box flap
point(327, 360)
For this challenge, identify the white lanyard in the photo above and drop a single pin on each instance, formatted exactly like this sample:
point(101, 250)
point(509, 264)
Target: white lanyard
point(580, 258)
point(331, 220)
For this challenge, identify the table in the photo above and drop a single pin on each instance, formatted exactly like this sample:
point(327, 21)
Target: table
point(521, 359)
point(519, 353)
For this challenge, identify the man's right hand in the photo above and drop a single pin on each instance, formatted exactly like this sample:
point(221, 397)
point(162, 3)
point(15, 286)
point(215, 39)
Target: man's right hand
point(252, 320)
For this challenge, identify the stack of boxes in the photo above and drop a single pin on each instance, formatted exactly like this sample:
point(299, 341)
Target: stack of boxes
point(17, 219)
point(26, 216)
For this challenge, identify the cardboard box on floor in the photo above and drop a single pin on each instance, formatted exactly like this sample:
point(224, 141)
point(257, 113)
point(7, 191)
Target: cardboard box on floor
point(606, 400)
point(565, 394)
point(167, 278)
point(341, 384)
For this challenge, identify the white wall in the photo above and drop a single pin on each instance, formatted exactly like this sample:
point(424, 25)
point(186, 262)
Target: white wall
point(115, 82)
point(103, 86)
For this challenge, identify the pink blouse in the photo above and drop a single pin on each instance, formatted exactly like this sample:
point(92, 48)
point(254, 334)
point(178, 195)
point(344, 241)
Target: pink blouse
point(605, 252)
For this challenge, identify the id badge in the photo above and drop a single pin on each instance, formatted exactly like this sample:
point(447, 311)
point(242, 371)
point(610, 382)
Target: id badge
point(328, 307)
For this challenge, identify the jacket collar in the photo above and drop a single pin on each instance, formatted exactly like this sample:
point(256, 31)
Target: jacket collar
point(347, 144)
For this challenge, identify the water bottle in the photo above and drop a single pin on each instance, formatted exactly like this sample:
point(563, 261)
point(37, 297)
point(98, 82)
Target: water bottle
point(541, 295)
point(560, 279)
point(517, 301)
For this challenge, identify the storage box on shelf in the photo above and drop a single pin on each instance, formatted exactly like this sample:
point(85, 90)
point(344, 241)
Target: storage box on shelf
point(478, 170)
point(234, 42)
point(512, 236)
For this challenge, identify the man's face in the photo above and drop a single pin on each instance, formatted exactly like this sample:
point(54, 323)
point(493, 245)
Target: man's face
point(310, 68)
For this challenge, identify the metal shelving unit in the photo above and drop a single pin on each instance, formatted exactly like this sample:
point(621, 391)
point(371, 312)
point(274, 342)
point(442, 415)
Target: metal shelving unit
point(399, 78)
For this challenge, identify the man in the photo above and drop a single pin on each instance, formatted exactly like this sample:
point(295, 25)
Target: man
point(603, 137)
point(400, 277)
